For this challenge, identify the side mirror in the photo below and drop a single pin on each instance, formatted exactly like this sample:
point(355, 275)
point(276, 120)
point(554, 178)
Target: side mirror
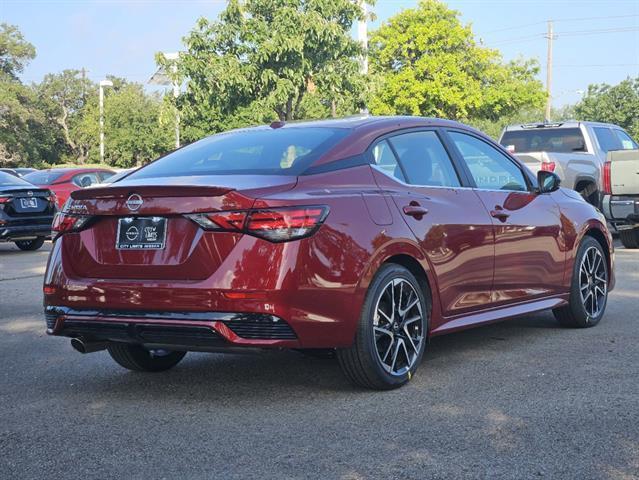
point(548, 181)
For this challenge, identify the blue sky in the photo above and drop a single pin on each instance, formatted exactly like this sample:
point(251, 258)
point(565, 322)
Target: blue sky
point(120, 37)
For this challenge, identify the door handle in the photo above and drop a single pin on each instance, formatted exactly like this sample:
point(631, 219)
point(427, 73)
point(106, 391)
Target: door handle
point(499, 213)
point(415, 210)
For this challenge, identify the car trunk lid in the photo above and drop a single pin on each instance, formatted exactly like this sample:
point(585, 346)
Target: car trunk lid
point(187, 252)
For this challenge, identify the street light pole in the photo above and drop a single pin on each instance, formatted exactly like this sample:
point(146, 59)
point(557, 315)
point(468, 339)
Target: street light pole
point(103, 83)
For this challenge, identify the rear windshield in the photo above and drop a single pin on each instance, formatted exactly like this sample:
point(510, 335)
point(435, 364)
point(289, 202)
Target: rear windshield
point(8, 180)
point(285, 151)
point(43, 178)
point(558, 140)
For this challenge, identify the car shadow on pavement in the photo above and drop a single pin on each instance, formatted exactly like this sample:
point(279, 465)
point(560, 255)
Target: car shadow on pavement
point(233, 377)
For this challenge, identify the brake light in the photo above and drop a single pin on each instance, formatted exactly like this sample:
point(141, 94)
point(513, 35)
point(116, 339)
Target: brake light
point(51, 197)
point(5, 199)
point(607, 183)
point(548, 166)
point(273, 224)
point(66, 223)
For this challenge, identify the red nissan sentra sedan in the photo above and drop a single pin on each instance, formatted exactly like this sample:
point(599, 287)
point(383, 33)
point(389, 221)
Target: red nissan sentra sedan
point(364, 235)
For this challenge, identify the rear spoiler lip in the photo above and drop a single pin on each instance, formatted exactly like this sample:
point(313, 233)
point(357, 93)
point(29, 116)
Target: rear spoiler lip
point(116, 191)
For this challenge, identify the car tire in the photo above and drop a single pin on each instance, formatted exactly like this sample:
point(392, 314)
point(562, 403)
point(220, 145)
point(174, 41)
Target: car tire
point(30, 245)
point(589, 287)
point(629, 238)
point(366, 363)
point(139, 359)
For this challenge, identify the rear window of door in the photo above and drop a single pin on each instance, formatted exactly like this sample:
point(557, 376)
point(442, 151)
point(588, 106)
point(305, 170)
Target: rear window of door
point(490, 168)
point(627, 143)
point(608, 141)
point(386, 161)
point(424, 159)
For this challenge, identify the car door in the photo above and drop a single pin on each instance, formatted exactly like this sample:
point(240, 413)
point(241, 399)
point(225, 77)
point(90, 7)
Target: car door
point(450, 224)
point(529, 258)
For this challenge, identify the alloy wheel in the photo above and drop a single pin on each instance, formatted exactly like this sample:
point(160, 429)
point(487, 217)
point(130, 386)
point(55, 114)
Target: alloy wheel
point(398, 324)
point(593, 282)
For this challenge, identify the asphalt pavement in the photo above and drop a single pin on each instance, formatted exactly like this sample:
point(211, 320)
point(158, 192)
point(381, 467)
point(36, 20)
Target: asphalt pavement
point(517, 400)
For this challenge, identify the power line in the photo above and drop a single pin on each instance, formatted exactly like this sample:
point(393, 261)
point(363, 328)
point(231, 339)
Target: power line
point(567, 19)
point(570, 33)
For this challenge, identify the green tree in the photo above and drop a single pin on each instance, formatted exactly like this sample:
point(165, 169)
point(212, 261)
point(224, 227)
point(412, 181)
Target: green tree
point(426, 62)
point(269, 59)
point(15, 51)
point(26, 134)
point(134, 134)
point(63, 97)
point(618, 104)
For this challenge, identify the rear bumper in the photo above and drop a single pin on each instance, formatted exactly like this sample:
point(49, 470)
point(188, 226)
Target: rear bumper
point(175, 330)
point(10, 232)
point(321, 305)
point(621, 211)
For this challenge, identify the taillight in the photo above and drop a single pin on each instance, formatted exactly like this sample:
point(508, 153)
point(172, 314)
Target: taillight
point(606, 180)
point(548, 166)
point(52, 198)
point(273, 224)
point(66, 223)
point(5, 199)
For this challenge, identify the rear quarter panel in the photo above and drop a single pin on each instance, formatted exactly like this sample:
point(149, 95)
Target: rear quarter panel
point(579, 218)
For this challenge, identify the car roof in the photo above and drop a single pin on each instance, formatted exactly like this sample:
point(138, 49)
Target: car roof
point(358, 121)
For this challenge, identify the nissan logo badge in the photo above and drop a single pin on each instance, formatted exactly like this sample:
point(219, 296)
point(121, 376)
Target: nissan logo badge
point(134, 202)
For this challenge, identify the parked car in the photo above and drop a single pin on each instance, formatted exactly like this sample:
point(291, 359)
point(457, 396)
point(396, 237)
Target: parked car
point(620, 202)
point(22, 171)
point(115, 177)
point(19, 171)
point(26, 212)
point(365, 236)
point(10, 171)
point(576, 151)
point(63, 181)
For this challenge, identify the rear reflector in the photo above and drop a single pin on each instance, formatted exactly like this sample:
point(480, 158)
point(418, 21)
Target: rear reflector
point(275, 225)
point(606, 180)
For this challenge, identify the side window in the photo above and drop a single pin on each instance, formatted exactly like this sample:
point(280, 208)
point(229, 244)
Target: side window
point(104, 175)
point(425, 159)
point(85, 179)
point(627, 143)
point(491, 169)
point(607, 139)
point(386, 161)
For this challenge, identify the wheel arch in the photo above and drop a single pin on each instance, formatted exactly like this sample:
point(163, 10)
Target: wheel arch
point(411, 257)
point(602, 236)
point(583, 182)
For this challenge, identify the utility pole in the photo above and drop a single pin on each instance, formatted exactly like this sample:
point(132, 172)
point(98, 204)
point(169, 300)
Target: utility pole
point(103, 83)
point(550, 36)
point(362, 35)
point(84, 82)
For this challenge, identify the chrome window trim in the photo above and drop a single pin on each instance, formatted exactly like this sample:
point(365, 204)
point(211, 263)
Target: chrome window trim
point(403, 184)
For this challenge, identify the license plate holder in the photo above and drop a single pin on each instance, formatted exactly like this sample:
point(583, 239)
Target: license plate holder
point(141, 233)
point(29, 203)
